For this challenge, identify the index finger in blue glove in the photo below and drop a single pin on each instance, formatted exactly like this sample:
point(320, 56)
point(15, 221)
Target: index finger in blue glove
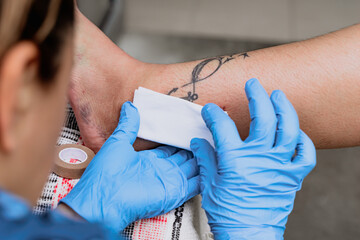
point(165, 151)
point(193, 187)
point(190, 168)
point(181, 156)
point(305, 154)
point(222, 127)
point(206, 159)
point(128, 125)
point(263, 118)
point(288, 129)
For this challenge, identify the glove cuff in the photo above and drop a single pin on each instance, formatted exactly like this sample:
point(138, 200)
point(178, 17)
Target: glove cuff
point(249, 233)
point(75, 201)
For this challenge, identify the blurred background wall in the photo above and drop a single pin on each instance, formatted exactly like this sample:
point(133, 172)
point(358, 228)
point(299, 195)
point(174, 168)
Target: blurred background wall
point(168, 31)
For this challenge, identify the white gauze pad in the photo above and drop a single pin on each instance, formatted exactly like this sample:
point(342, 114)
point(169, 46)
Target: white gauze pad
point(169, 120)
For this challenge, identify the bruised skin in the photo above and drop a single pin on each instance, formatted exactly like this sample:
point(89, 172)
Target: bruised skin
point(97, 114)
point(95, 86)
point(97, 83)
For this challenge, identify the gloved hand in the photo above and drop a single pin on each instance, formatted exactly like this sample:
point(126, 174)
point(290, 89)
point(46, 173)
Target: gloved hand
point(248, 187)
point(121, 185)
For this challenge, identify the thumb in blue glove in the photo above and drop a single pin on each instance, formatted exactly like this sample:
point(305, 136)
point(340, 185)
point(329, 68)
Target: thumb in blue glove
point(121, 185)
point(248, 187)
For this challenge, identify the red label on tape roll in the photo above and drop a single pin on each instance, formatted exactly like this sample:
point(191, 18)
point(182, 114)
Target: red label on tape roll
point(72, 160)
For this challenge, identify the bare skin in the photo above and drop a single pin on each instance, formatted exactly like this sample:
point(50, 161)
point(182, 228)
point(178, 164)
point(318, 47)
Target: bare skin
point(30, 118)
point(320, 76)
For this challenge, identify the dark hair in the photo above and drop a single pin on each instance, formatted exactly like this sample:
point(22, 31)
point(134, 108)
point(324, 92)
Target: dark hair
point(52, 45)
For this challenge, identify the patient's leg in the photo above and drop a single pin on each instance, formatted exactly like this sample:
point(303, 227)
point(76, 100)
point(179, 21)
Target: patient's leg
point(320, 77)
point(101, 81)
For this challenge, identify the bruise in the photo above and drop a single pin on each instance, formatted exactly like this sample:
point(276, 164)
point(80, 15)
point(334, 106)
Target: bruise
point(85, 113)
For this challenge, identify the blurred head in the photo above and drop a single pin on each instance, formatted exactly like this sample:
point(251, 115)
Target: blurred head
point(36, 44)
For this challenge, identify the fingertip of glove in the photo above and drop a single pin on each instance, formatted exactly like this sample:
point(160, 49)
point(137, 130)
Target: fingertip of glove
point(194, 145)
point(209, 111)
point(277, 95)
point(208, 107)
point(251, 82)
point(128, 104)
point(129, 116)
point(250, 85)
point(126, 107)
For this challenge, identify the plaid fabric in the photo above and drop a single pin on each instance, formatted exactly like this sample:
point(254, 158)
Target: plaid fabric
point(175, 225)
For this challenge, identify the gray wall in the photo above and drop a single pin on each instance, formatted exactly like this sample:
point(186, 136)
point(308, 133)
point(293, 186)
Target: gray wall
point(270, 20)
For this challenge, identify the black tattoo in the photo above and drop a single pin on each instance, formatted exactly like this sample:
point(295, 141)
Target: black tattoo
point(173, 90)
point(195, 75)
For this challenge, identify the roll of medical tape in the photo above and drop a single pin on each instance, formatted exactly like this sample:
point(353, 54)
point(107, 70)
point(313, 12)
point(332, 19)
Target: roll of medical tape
point(71, 160)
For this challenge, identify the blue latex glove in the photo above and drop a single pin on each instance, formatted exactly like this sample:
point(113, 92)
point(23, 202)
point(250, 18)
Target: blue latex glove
point(121, 185)
point(248, 187)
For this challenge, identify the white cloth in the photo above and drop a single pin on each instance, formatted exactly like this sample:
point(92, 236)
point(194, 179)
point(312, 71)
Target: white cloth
point(169, 120)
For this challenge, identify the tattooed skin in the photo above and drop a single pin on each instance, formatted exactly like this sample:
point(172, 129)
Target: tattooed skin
point(195, 75)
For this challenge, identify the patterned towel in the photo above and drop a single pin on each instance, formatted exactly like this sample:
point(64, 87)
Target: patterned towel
point(179, 224)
